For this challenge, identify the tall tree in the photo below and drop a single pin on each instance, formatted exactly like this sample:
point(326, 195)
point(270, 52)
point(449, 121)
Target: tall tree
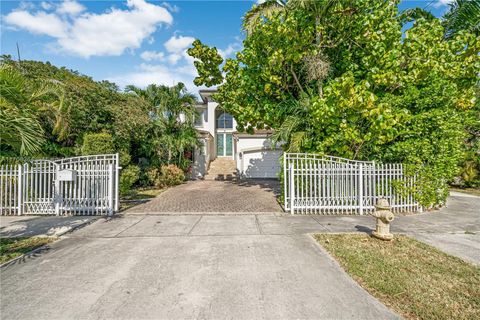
point(463, 15)
point(352, 83)
point(172, 113)
point(21, 104)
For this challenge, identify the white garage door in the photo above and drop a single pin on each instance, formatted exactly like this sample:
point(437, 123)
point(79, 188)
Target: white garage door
point(261, 164)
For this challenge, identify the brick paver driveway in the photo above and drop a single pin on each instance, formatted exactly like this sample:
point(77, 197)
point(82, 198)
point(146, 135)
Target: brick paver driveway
point(216, 196)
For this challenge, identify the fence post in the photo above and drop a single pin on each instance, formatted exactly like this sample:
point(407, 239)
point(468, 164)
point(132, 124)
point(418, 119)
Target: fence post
point(292, 188)
point(285, 177)
point(360, 189)
point(56, 197)
point(110, 190)
point(20, 189)
point(117, 169)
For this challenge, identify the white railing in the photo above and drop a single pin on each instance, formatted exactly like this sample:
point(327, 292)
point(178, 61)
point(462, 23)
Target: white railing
point(10, 189)
point(331, 185)
point(86, 185)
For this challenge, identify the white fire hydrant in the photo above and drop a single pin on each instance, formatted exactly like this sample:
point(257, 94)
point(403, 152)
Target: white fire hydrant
point(384, 216)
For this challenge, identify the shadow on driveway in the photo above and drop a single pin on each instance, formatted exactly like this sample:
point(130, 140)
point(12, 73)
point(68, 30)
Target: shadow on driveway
point(29, 226)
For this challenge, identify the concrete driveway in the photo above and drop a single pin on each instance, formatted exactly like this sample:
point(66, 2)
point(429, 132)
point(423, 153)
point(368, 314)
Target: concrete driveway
point(184, 267)
point(238, 266)
point(205, 196)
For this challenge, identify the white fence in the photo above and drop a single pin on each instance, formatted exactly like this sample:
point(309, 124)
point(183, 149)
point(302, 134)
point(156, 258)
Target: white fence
point(78, 186)
point(332, 185)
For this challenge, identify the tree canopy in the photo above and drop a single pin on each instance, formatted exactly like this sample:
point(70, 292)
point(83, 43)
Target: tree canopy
point(343, 78)
point(46, 111)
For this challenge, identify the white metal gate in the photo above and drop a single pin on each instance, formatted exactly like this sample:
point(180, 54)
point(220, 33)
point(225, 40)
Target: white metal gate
point(332, 185)
point(86, 185)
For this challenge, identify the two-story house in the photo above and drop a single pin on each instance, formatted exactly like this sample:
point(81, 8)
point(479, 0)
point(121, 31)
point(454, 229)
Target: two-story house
point(225, 151)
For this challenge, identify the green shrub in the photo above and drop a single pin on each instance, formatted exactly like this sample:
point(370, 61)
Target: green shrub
point(125, 158)
point(470, 174)
point(153, 176)
point(165, 176)
point(128, 177)
point(170, 175)
point(97, 143)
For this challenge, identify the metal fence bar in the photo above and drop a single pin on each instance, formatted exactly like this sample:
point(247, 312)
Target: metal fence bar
point(332, 185)
point(35, 188)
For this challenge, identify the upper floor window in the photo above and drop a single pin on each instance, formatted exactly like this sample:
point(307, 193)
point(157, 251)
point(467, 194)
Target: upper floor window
point(225, 121)
point(199, 118)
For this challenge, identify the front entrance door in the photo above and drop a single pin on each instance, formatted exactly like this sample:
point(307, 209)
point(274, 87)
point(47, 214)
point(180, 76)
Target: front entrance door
point(224, 145)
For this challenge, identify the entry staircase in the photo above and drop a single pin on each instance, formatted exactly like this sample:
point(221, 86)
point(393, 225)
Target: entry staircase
point(222, 169)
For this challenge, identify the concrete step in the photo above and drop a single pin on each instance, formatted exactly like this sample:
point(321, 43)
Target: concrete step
point(221, 169)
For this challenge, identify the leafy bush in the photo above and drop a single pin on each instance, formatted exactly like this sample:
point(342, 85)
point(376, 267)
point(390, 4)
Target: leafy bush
point(128, 177)
point(470, 174)
point(125, 158)
point(152, 176)
point(170, 175)
point(97, 143)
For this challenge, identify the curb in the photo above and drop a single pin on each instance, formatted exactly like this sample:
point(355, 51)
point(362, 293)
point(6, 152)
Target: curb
point(80, 225)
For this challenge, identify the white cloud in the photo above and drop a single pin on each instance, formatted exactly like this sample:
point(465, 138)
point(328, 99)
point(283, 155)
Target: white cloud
point(231, 49)
point(39, 23)
point(46, 5)
point(441, 3)
point(158, 74)
point(91, 34)
point(25, 5)
point(188, 69)
point(177, 67)
point(70, 7)
point(170, 7)
point(152, 55)
point(177, 47)
point(178, 44)
point(174, 58)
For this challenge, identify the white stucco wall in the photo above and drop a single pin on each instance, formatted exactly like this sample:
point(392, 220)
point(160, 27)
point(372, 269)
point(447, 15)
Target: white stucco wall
point(210, 123)
point(256, 151)
point(202, 158)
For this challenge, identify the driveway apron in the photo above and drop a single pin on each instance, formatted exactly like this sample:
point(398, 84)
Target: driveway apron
point(185, 267)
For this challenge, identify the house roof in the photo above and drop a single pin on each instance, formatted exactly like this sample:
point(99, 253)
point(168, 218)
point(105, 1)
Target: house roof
point(205, 93)
point(256, 133)
point(203, 134)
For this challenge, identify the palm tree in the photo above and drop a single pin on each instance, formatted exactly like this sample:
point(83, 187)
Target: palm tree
point(269, 8)
point(20, 101)
point(294, 124)
point(172, 114)
point(149, 94)
point(258, 13)
point(463, 15)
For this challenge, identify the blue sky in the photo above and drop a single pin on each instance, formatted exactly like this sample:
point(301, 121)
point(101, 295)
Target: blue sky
point(129, 41)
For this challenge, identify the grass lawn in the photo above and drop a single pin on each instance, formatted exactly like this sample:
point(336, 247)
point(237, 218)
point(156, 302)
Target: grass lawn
point(412, 278)
point(137, 195)
point(13, 247)
point(143, 193)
